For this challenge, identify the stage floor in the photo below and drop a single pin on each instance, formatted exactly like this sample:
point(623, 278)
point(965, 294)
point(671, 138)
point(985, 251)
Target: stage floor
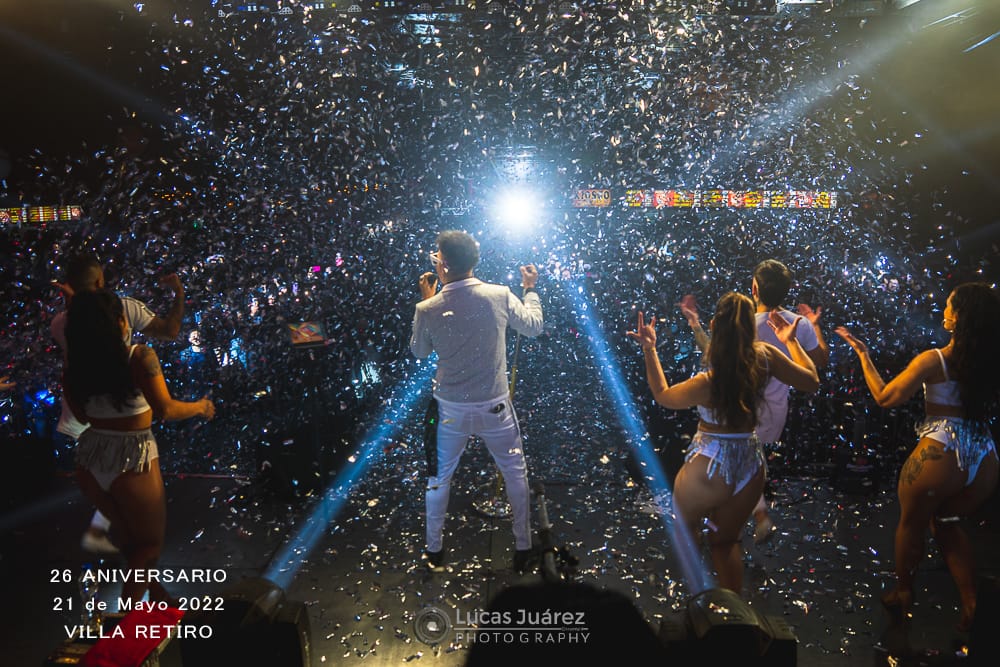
point(363, 581)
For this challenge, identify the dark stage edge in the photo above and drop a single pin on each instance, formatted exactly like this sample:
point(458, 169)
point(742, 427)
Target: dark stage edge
point(363, 582)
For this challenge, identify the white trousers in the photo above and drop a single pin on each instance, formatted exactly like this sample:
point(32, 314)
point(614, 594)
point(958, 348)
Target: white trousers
point(495, 422)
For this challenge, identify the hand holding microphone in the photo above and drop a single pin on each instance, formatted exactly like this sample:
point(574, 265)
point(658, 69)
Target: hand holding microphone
point(428, 285)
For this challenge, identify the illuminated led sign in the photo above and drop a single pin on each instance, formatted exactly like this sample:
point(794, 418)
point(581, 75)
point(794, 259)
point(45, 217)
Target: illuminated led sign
point(592, 198)
point(39, 215)
point(730, 199)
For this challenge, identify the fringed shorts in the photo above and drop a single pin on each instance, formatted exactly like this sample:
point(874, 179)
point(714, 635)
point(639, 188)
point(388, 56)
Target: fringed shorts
point(735, 456)
point(971, 441)
point(107, 454)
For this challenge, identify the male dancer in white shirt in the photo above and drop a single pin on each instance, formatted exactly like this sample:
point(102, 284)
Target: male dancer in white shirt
point(85, 274)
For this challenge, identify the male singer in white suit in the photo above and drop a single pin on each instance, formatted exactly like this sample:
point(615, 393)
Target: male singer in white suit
point(466, 324)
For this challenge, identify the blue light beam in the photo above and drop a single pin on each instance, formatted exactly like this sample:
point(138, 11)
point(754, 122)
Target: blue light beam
point(983, 42)
point(688, 555)
point(287, 562)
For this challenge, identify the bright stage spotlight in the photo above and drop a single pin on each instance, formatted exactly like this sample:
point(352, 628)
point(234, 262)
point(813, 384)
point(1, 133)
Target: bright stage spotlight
point(517, 209)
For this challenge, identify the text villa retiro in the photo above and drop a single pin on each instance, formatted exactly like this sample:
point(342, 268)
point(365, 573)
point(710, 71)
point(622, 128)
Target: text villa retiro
point(148, 631)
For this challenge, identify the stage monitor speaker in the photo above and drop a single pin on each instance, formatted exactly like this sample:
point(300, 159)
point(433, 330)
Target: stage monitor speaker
point(720, 628)
point(594, 626)
point(257, 625)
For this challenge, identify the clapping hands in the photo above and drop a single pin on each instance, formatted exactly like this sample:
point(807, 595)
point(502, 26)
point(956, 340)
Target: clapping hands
point(689, 308)
point(807, 312)
point(783, 329)
point(856, 344)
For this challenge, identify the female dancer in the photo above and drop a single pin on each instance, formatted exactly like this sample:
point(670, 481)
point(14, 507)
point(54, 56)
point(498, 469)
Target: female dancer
point(953, 468)
point(723, 474)
point(118, 388)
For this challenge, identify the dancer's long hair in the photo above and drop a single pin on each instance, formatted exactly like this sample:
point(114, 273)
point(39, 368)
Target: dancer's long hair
point(96, 356)
point(975, 357)
point(737, 378)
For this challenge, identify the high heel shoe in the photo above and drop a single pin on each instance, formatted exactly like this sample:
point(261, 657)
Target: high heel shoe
point(897, 603)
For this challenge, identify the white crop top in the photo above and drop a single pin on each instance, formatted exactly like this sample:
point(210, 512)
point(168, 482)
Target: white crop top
point(707, 415)
point(102, 407)
point(943, 393)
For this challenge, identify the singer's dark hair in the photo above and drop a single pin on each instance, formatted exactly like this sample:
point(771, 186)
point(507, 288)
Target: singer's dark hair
point(459, 249)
